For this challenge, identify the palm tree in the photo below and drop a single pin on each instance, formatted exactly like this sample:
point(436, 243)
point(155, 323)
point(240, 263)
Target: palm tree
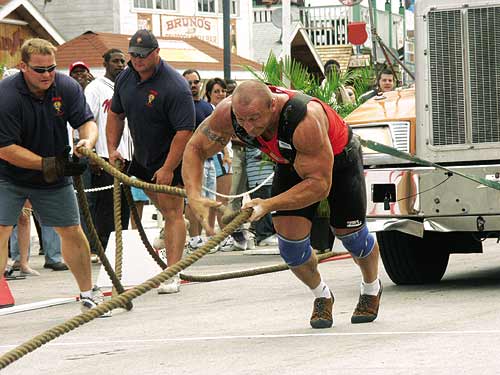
point(292, 74)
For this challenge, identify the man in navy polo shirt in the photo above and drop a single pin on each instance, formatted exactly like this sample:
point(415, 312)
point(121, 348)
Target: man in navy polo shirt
point(34, 155)
point(159, 107)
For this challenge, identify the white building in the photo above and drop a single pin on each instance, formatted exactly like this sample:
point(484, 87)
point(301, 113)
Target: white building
point(166, 18)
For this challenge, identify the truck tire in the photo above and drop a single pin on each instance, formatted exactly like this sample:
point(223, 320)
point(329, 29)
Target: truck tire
point(413, 260)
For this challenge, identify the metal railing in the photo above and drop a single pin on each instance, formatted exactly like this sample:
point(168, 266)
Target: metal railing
point(326, 25)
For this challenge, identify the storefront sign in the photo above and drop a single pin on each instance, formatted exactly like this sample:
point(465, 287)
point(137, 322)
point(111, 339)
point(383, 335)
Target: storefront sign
point(204, 28)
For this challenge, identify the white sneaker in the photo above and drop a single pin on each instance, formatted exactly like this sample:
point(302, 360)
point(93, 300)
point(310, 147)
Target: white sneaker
point(194, 244)
point(250, 240)
point(239, 245)
point(269, 241)
point(172, 285)
point(87, 303)
point(227, 244)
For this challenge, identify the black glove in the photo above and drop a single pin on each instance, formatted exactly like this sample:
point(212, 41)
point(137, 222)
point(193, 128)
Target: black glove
point(55, 167)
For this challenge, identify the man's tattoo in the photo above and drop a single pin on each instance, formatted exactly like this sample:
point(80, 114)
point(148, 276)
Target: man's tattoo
point(220, 139)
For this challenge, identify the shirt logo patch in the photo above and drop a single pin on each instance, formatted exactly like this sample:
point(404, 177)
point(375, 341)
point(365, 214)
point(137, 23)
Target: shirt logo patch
point(57, 104)
point(284, 145)
point(151, 97)
point(353, 223)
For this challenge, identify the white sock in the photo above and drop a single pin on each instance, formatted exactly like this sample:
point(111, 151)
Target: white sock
point(322, 291)
point(370, 289)
point(87, 293)
point(194, 239)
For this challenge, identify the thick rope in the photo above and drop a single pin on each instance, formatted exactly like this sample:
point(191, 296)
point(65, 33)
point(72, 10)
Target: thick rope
point(82, 200)
point(250, 272)
point(117, 210)
point(128, 180)
point(122, 299)
point(140, 228)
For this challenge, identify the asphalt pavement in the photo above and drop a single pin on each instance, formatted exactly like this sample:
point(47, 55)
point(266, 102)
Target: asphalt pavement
point(260, 325)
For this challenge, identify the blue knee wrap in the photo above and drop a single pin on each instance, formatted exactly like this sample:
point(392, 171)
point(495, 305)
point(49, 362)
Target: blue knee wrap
point(295, 253)
point(360, 243)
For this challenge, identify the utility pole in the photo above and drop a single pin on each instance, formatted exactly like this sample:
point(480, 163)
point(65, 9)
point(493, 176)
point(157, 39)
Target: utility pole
point(226, 23)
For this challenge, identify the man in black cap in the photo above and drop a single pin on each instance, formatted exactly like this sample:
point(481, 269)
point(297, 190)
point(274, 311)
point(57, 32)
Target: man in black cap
point(159, 107)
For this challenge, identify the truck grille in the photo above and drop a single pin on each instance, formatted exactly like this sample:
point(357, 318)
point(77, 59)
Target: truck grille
point(446, 73)
point(463, 45)
point(484, 65)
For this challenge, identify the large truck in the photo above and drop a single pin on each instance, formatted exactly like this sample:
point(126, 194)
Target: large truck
point(423, 214)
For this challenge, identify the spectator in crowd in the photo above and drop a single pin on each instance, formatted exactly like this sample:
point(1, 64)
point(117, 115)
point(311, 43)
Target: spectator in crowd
point(304, 148)
point(242, 238)
point(257, 172)
point(385, 82)
point(99, 93)
point(333, 71)
point(20, 243)
point(34, 159)
point(140, 199)
point(80, 72)
point(203, 110)
point(159, 108)
point(216, 92)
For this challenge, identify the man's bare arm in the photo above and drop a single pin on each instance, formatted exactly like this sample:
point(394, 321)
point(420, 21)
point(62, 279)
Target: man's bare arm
point(211, 137)
point(177, 148)
point(114, 129)
point(88, 132)
point(21, 157)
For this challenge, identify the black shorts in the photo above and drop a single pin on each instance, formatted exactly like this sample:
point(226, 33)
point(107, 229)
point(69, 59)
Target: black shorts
point(347, 196)
point(145, 174)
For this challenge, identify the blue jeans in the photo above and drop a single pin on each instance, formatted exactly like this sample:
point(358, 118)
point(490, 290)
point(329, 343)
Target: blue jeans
point(51, 244)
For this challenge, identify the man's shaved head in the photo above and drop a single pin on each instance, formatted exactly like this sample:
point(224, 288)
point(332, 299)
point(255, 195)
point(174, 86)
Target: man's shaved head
point(248, 91)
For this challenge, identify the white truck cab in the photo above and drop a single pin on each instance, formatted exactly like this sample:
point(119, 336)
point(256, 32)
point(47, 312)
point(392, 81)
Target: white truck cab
point(422, 214)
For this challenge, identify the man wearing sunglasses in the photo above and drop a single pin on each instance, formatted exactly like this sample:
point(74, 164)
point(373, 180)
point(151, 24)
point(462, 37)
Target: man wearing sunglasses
point(159, 108)
point(37, 104)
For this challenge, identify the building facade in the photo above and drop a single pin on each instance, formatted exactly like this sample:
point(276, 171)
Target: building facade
point(166, 18)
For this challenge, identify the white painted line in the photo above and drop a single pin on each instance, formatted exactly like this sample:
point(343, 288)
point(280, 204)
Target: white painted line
point(260, 337)
point(36, 305)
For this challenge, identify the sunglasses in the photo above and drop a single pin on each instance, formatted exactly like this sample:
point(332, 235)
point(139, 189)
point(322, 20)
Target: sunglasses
point(141, 55)
point(196, 82)
point(42, 69)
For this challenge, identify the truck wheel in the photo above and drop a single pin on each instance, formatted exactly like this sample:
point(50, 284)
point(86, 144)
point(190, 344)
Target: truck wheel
point(413, 260)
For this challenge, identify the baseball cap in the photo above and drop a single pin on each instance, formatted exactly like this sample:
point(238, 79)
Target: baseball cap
point(78, 63)
point(143, 41)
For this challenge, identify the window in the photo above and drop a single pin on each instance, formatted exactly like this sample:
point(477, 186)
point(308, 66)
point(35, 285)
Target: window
point(206, 6)
point(143, 4)
point(156, 4)
point(165, 4)
point(234, 4)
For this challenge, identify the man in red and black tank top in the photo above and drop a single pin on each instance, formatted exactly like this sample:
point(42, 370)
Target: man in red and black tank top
point(317, 158)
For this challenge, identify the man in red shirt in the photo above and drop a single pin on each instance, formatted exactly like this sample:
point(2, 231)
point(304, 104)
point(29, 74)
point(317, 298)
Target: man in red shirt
point(304, 136)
